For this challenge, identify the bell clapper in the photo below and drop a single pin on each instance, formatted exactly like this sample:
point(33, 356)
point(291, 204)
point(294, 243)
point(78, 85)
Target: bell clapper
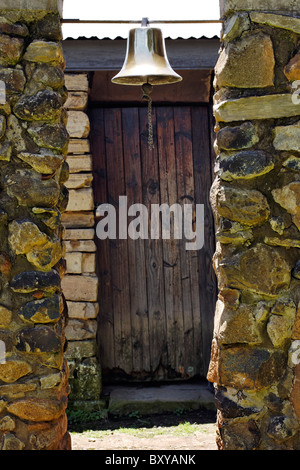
point(147, 90)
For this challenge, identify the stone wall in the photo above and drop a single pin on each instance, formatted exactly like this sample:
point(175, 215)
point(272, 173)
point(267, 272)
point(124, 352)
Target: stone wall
point(255, 360)
point(80, 284)
point(33, 143)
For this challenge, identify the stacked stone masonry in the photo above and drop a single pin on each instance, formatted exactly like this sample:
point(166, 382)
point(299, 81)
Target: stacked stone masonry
point(255, 360)
point(80, 283)
point(33, 141)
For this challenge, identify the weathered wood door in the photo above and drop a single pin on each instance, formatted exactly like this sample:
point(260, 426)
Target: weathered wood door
point(156, 298)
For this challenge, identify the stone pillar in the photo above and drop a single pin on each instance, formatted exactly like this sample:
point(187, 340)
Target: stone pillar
point(80, 284)
point(255, 360)
point(33, 144)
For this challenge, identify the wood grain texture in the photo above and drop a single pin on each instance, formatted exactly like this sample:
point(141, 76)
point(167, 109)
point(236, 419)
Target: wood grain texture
point(156, 299)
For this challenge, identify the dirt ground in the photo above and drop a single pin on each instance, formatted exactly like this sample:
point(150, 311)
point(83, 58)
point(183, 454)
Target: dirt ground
point(204, 438)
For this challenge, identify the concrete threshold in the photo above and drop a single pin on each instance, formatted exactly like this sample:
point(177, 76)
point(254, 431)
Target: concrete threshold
point(124, 401)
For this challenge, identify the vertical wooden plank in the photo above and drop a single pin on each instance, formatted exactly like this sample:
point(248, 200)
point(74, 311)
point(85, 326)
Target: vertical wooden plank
point(153, 252)
point(118, 247)
point(105, 332)
point(203, 181)
point(189, 268)
point(171, 258)
point(136, 253)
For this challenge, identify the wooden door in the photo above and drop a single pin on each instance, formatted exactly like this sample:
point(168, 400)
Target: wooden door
point(156, 298)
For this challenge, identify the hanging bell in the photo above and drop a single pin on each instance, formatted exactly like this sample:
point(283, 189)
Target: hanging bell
point(146, 64)
point(146, 59)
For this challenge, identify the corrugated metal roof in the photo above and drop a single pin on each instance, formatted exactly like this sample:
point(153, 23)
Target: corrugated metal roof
point(113, 31)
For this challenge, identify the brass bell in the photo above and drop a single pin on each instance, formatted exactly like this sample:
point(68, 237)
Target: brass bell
point(146, 59)
point(146, 64)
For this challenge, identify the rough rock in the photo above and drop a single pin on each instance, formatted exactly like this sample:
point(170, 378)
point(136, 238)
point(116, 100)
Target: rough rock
point(31, 281)
point(38, 340)
point(236, 325)
point(11, 442)
point(256, 107)
point(25, 238)
point(249, 207)
point(289, 198)
point(11, 50)
point(292, 163)
point(30, 190)
point(243, 367)
point(45, 105)
point(292, 69)
point(36, 409)
point(42, 163)
point(246, 164)
point(42, 310)
point(260, 269)
point(287, 137)
point(44, 52)
point(279, 21)
point(295, 395)
point(11, 370)
point(247, 62)
point(54, 136)
point(239, 435)
point(238, 137)
point(13, 29)
point(235, 26)
point(5, 316)
point(78, 330)
point(14, 79)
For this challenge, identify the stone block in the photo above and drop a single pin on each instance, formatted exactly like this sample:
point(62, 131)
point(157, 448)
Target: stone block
point(289, 198)
point(260, 269)
point(245, 165)
point(79, 234)
point(88, 262)
point(77, 82)
point(81, 349)
point(80, 245)
point(256, 107)
point(78, 124)
point(236, 325)
point(246, 206)
point(87, 384)
point(246, 63)
point(78, 262)
point(80, 288)
point(227, 6)
point(37, 409)
point(78, 163)
point(78, 330)
point(237, 137)
point(81, 200)
point(278, 21)
point(79, 146)
point(44, 52)
point(77, 100)
point(82, 310)
point(78, 219)
point(292, 69)
point(295, 396)
point(11, 50)
point(45, 6)
point(287, 137)
point(243, 367)
point(79, 180)
point(73, 263)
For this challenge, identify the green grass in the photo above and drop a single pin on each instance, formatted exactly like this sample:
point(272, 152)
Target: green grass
point(183, 429)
